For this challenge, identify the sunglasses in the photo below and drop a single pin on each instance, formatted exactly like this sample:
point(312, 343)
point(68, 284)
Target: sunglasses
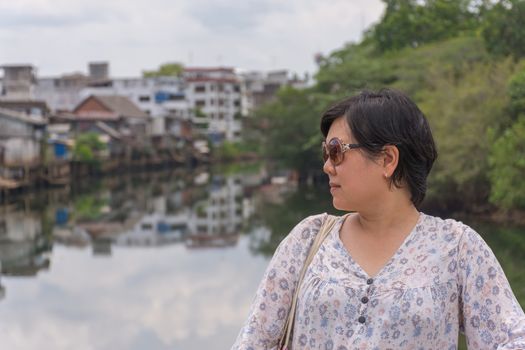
point(335, 150)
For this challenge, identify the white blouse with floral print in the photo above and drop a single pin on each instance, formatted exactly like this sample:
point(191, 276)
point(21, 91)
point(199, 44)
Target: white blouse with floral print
point(443, 278)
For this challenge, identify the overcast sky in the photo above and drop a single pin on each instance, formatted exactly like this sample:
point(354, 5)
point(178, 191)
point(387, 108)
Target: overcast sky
point(62, 36)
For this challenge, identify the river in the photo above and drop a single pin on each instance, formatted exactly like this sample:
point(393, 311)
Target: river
point(166, 260)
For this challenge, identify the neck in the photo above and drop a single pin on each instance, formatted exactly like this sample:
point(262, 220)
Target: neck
point(396, 213)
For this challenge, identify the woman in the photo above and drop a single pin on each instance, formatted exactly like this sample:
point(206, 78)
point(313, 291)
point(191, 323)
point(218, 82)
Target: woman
point(387, 276)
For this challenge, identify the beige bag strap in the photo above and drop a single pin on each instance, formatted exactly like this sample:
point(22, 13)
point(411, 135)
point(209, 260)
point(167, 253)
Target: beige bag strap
point(319, 238)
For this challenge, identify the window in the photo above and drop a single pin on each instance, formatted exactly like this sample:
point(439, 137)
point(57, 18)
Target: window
point(144, 98)
point(176, 97)
point(200, 88)
point(237, 103)
point(220, 87)
point(147, 226)
point(237, 88)
point(200, 103)
point(221, 102)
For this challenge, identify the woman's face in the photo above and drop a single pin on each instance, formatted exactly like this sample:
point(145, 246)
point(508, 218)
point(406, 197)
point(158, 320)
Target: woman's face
point(358, 181)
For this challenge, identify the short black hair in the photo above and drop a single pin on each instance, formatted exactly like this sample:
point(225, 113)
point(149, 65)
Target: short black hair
point(389, 117)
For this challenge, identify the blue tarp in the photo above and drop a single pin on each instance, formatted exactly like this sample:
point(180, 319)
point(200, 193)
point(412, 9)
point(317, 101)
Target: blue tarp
point(60, 150)
point(163, 96)
point(61, 216)
point(163, 227)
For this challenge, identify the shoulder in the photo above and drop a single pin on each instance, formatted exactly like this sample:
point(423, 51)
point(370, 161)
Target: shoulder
point(306, 230)
point(450, 231)
point(302, 235)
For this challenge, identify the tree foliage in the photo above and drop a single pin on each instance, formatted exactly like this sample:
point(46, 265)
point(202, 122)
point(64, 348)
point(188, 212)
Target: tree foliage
point(173, 69)
point(517, 94)
point(438, 52)
point(411, 23)
point(87, 147)
point(507, 160)
point(461, 111)
point(504, 28)
point(292, 134)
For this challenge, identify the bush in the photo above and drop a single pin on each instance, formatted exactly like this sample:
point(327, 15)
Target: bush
point(507, 166)
point(87, 146)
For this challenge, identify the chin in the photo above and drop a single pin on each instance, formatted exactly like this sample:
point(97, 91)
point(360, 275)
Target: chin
point(340, 206)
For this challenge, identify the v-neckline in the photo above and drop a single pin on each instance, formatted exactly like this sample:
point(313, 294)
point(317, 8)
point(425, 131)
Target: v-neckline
point(337, 236)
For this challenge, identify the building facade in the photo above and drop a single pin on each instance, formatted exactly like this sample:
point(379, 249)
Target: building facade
point(214, 99)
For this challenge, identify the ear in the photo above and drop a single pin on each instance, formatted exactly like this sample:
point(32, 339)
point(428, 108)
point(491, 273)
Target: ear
point(390, 160)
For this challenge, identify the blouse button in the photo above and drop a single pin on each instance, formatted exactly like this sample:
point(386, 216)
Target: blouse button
point(364, 300)
point(361, 319)
point(370, 281)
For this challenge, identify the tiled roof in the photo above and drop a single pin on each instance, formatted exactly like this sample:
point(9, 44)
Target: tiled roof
point(121, 105)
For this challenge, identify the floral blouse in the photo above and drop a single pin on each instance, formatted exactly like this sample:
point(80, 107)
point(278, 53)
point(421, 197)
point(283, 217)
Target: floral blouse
point(443, 279)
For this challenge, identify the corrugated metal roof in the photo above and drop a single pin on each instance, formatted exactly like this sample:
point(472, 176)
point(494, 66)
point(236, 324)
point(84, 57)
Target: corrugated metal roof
point(22, 117)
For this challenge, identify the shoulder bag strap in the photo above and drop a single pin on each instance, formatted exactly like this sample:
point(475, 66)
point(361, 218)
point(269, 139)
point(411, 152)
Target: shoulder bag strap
point(319, 238)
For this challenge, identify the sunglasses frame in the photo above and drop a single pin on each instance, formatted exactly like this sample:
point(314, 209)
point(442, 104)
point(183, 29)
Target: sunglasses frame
point(344, 147)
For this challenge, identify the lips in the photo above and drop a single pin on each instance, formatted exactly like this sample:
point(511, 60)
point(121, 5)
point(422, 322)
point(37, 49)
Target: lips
point(334, 185)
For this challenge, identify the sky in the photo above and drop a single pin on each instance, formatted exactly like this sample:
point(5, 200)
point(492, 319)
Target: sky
point(62, 36)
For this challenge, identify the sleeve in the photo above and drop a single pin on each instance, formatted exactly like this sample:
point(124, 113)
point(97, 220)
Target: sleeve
point(272, 301)
point(490, 315)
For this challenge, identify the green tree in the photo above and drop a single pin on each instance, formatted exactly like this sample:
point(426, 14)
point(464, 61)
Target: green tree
point(461, 111)
point(517, 94)
point(507, 166)
point(504, 28)
point(354, 67)
point(87, 147)
point(173, 69)
point(411, 23)
point(292, 135)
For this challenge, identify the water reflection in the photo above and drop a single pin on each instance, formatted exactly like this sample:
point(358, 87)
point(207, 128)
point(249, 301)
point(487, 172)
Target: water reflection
point(159, 260)
point(197, 210)
point(155, 244)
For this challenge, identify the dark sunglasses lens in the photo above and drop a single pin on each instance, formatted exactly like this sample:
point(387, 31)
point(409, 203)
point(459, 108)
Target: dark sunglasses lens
point(335, 151)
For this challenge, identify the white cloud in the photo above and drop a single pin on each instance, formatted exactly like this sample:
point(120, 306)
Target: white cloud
point(162, 296)
point(62, 36)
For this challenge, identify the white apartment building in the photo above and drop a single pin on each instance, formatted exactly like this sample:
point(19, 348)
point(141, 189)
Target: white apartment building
point(214, 99)
point(222, 213)
point(61, 93)
point(64, 93)
point(160, 97)
point(217, 217)
point(17, 82)
point(259, 88)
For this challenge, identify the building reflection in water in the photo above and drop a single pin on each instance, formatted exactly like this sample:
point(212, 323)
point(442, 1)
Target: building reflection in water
point(195, 210)
point(24, 248)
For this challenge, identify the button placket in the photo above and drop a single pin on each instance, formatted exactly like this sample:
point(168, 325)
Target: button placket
point(364, 301)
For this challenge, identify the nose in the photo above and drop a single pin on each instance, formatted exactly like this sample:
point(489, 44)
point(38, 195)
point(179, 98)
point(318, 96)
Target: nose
point(328, 167)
